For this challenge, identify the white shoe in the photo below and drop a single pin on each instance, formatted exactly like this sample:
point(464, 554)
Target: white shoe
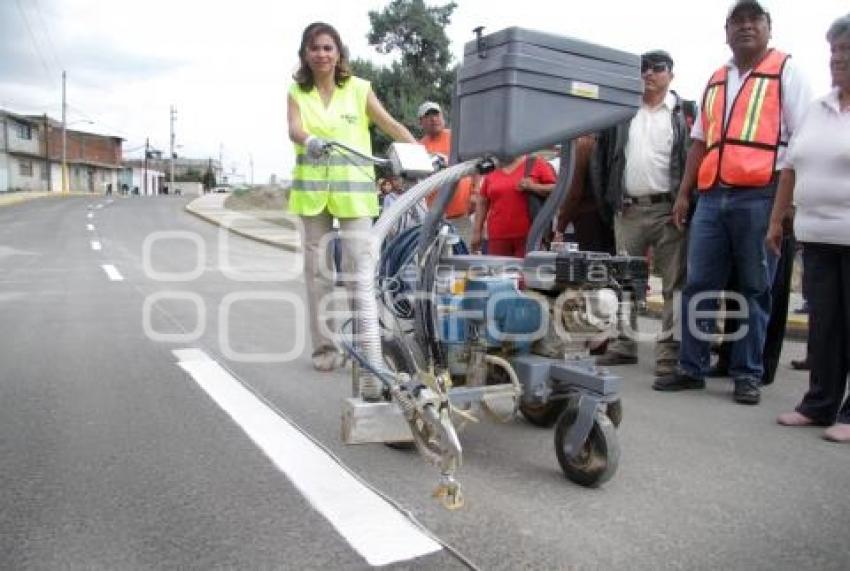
point(328, 360)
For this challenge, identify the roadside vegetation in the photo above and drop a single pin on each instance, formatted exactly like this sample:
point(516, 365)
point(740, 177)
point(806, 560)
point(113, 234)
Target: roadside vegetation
point(265, 202)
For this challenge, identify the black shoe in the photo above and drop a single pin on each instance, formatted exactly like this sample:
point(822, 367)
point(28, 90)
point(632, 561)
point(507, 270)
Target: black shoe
point(746, 392)
point(613, 359)
point(678, 382)
point(800, 364)
point(721, 369)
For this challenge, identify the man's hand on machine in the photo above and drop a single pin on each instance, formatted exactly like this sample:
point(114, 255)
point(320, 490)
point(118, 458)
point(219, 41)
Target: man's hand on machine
point(316, 147)
point(439, 160)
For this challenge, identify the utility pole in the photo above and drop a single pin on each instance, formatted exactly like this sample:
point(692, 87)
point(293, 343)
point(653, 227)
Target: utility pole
point(251, 162)
point(47, 152)
point(145, 170)
point(64, 138)
point(173, 116)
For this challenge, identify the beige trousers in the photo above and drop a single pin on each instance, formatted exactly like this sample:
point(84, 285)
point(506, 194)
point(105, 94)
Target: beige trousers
point(637, 229)
point(327, 308)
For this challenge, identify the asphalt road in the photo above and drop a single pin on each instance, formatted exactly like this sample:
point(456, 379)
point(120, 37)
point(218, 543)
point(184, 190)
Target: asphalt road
point(113, 456)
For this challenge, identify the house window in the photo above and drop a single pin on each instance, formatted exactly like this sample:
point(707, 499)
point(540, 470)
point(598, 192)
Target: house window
point(25, 168)
point(24, 131)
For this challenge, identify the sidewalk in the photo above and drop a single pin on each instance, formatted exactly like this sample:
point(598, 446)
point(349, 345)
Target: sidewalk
point(797, 326)
point(9, 198)
point(211, 207)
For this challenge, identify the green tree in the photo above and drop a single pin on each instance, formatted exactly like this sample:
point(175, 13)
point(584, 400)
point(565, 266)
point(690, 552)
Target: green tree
point(423, 71)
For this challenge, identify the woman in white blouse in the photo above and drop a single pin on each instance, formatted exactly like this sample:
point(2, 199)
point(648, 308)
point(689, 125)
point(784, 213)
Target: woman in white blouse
point(816, 178)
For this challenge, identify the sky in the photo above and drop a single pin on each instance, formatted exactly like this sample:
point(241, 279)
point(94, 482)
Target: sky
point(226, 66)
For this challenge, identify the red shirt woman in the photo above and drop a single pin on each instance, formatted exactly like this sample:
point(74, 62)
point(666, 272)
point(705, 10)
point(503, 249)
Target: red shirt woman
point(503, 203)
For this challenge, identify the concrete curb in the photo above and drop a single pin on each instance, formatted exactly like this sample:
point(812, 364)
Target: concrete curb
point(796, 328)
point(12, 198)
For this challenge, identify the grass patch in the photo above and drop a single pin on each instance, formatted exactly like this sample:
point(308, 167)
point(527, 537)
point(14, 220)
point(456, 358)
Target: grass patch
point(266, 203)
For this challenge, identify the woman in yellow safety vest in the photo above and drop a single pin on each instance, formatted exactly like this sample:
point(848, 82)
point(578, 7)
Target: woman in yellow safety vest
point(327, 103)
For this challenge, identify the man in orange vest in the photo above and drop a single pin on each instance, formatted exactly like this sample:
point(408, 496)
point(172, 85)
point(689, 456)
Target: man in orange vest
point(750, 108)
point(438, 139)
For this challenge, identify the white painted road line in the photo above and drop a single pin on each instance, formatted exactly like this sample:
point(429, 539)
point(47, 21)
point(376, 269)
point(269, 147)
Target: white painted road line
point(90, 227)
point(375, 529)
point(112, 272)
point(99, 206)
point(90, 215)
point(95, 245)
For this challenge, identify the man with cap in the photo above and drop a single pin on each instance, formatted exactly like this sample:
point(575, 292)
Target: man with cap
point(437, 139)
point(641, 163)
point(751, 107)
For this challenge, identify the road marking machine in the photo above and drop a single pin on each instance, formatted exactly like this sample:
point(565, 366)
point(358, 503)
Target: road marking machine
point(442, 337)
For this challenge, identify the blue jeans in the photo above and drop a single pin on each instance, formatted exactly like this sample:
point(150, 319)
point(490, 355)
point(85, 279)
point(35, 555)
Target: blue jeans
point(728, 230)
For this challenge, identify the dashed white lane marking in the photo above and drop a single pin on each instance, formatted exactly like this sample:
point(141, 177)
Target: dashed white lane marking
point(375, 529)
point(90, 215)
point(95, 245)
point(90, 227)
point(99, 206)
point(112, 272)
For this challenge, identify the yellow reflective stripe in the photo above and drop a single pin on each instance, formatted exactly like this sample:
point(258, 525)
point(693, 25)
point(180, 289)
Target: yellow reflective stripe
point(333, 186)
point(319, 172)
point(333, 161)
point(709, 108)
point(757, 97)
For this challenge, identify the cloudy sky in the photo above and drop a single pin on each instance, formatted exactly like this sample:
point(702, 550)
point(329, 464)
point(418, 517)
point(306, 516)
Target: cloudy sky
point(225, 66)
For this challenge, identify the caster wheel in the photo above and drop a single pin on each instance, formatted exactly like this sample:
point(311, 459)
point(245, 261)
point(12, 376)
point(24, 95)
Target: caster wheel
point(615, 412)
point(599, 457)
point(543, 415)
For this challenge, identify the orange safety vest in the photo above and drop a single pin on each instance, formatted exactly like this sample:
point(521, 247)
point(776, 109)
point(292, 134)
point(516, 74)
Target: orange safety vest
point(743, 151)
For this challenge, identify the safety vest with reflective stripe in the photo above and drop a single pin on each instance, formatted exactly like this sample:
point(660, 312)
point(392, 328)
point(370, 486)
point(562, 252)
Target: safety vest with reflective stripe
point(340, 182)
point(742, 151)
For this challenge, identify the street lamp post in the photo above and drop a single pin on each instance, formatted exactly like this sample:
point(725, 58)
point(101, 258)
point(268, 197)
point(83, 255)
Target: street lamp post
point(64, 139)
point(65, 125)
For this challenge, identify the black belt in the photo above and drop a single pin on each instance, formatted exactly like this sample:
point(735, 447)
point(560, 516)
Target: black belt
point(656, 198)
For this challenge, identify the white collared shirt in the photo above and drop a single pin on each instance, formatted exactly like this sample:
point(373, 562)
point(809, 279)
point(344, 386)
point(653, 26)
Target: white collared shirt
point(648, 150)
point(819, 153)
point(796, 96)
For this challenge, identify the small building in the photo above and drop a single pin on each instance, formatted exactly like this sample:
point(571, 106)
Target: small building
point(140, 181)
point(23, 165)
point(31, 156)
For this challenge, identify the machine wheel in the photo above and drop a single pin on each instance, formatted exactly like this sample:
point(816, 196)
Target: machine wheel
point(545, 414)
point(615, 412)
point(598, 460)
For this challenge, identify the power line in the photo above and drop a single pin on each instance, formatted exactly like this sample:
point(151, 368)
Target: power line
point(34, 42)
point(88, 116)
point(50, 44)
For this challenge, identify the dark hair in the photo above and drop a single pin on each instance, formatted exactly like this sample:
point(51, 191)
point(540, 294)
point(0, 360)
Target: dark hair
point(304, 76)
point(838, 28)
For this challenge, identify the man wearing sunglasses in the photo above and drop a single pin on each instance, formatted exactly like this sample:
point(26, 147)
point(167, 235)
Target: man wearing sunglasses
point(644, 159)
point(750, 108)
